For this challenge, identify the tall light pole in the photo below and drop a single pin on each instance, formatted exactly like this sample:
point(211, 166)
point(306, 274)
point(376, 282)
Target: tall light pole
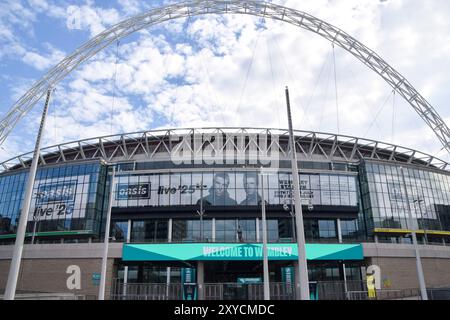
point(265, 250)
point(101, 292)
point(303, 284)
point(201, 213)
point(14, 269)
point(423, 288)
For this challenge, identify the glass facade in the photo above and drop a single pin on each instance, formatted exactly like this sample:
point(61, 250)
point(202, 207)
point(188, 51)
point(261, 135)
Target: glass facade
point(149, 231)
point(72, 198)
point(387, 197)
point(230, 188)
point(232, 230)
point(65, 198)
point(190, 230)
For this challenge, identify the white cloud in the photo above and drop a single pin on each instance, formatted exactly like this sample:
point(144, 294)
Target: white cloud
point(41, 62)
point(197, 73)
point(91, 18)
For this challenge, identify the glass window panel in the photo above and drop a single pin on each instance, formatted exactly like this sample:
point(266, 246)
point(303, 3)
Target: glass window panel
point(325, 197)
point(315, 182)
point(325, 182)
point(343, 183)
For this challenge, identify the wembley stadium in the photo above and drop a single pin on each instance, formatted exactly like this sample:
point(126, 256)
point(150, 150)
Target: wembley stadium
point(356, 197)
point(225, 213)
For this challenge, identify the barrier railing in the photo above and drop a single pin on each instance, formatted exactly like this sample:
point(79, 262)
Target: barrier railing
point(404, 294)
point(230, 291)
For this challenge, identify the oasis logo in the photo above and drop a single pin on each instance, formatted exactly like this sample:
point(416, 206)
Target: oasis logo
point(133, 191)
point(56, 192)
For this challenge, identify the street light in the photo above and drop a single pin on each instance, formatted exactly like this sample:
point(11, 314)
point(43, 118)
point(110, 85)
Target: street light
point(201, 213)
point(101, 294)
point(16, 260)
point(423, 288)
point(303, 283)
point(264, 231)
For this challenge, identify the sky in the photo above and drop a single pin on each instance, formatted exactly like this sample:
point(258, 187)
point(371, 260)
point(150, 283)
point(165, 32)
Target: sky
point(225, 70)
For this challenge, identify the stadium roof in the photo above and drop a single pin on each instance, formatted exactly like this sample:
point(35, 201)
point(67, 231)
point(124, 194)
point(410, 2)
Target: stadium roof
point(158, 144)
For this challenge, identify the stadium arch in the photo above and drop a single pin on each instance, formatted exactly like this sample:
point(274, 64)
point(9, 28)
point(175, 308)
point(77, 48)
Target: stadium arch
point(249, 7)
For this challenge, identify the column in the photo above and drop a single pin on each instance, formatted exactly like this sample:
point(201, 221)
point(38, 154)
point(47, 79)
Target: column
point(258, 237)
point(201, 280)
point(339, 230)
point(125, 272)
point(297, 276)
point(344, 273)
point(129, 231)
point(170, 230)
point(213, 230)
point(169, 270)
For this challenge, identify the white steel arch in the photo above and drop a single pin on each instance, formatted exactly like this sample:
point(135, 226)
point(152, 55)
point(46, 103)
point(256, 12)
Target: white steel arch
point(256, 8)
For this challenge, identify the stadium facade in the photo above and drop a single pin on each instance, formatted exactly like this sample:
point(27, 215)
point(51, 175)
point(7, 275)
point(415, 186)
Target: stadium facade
point(357, 195)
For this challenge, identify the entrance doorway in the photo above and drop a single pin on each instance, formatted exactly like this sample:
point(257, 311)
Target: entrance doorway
point(243, 280)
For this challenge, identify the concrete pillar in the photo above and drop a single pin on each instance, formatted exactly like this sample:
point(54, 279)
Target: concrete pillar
point(125, 281)
point(258, 237)
point(129, 231)
point(169, 271)
point(201, 280)
point(344, 274)
point(213, 235)
point(169, 232)
point(297, 277)
point(339, 230)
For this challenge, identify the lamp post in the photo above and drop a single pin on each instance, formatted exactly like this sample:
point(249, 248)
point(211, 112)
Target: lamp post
point(303, 285)
point(201, 213)
point(423, 288)
point(265, 250)
point(14, 269)
point(101, 293)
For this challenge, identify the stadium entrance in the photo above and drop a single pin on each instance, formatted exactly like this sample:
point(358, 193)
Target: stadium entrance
point(231, 271)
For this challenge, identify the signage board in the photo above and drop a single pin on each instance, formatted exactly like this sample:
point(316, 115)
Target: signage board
point(238, 252)
point(231, 189)
point(250, 280)
point(133, 191)
point(59, 198)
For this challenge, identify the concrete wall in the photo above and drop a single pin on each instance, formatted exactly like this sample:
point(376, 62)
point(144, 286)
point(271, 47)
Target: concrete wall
point(398, 265)
point(49, 275)
point(401, 273)
point(44, 267)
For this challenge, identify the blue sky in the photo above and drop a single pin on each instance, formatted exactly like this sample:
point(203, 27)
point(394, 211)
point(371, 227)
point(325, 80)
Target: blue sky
point(224, 70)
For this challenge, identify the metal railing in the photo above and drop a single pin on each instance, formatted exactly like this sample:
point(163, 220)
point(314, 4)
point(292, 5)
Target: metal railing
point(146, 291)
point(231, 291)
point(52, 296)
point(439, 294)
point(403, 294)
point(250, 292)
